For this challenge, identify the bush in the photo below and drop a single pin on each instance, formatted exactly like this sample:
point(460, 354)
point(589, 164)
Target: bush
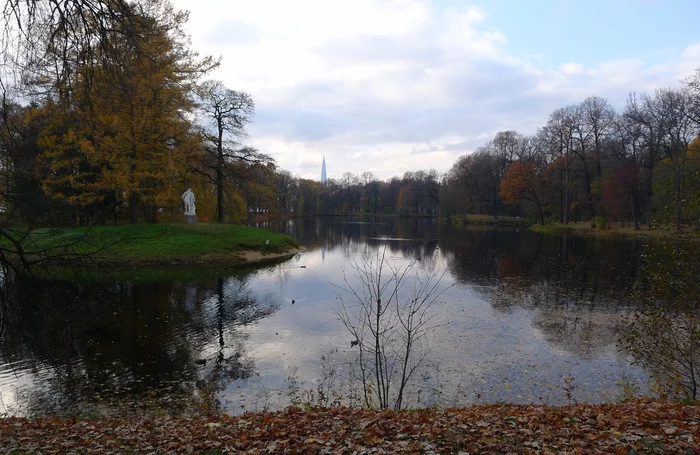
point(600, 223)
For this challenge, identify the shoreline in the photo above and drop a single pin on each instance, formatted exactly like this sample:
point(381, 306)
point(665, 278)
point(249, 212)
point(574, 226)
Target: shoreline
point(584, 229)
point(239, 259)
point(158, 245)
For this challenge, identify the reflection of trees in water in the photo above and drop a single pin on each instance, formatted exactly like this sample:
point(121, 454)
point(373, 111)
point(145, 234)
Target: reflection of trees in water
point(351, 235)
point(100, 347)
point(232, 304)
point(5, 308)
point(575, 286)
point(574, 270)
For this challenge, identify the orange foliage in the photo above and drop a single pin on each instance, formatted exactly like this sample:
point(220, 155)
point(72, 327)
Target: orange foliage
point(518, 181)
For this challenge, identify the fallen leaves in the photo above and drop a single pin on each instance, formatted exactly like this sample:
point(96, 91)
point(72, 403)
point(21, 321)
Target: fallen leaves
point(637, 427)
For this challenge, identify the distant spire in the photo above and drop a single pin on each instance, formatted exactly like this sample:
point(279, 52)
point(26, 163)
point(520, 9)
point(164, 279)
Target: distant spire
point(323, 171)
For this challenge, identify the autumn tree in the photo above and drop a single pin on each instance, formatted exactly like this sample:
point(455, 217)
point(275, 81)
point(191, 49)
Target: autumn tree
point(522, 181)
point(626, 147)
point(618, 195)
point(44, 47)
point(136, 134)
point(20, 189)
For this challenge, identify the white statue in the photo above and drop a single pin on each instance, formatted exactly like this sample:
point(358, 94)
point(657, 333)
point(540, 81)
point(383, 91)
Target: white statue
point(188, 198)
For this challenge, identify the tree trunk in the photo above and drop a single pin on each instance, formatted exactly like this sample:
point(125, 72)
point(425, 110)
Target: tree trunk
point(133, 207)
point(220, 209)
point(220, 163)
point(589, 193)
point(635, 219)
point(150, 212)
point(565, 197)
point(678, 196)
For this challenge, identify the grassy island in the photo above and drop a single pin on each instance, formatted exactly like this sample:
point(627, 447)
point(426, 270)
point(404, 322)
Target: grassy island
point(164, 244)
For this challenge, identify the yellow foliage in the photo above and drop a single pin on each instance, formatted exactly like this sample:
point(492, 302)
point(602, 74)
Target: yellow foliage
point(127, 132)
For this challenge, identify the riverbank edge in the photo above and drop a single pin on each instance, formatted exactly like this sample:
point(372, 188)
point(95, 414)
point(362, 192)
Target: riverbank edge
point(160, 245)
point(582, 228)
point(239, 259)
point(585, 229)
point(630, 427)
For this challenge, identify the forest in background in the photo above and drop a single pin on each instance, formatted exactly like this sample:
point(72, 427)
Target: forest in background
point(107, 116)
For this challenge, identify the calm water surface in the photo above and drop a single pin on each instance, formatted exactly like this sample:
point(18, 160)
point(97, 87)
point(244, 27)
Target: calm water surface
point(521, 313)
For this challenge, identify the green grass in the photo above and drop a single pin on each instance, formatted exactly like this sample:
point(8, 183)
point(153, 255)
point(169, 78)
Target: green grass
point(162, 243)
point(467, 219)
point(585, 228)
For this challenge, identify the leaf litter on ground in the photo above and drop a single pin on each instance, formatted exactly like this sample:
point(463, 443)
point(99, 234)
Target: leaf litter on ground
point(640, 426)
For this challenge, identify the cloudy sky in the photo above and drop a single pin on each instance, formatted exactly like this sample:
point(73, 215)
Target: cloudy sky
point(389, 86)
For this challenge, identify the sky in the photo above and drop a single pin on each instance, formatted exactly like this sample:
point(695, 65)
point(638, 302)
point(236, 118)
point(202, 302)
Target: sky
point(389, 86)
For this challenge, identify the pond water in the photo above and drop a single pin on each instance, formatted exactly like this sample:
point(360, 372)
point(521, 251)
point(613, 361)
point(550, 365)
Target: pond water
point(523, 318)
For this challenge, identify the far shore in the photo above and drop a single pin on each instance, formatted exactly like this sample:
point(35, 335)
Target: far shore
point(586, 228)
point(582, 228)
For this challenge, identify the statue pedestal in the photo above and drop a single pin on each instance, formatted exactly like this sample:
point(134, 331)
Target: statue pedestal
point(190, 219)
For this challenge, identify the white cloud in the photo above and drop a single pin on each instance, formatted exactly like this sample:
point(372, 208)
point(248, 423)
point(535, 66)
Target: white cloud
point(572, 68)
point(389, 86)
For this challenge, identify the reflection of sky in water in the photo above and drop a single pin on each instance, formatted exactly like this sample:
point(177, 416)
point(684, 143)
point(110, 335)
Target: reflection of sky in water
point(480, 354)
point(524, 311)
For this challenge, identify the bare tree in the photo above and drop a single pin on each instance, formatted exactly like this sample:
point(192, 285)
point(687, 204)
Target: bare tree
point(389, 324)
point(643, 111)
point(692, 85)
point(224, 114)
point(626, 144)
point(595, 116)
point(61, 35)
point(558, 138)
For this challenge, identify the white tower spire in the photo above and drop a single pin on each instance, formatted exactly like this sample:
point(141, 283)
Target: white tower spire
point(323, 171)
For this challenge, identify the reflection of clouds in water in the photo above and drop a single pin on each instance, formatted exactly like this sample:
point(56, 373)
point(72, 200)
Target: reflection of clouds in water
point(507, 357)
point(190, 298)
point(586, 333)
point(524, 311)
point(518, 319)
point(517, 355)
point(16, 379)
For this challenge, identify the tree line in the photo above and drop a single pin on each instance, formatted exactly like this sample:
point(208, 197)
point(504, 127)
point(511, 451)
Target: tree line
point(590, 162)
point(107, 116)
